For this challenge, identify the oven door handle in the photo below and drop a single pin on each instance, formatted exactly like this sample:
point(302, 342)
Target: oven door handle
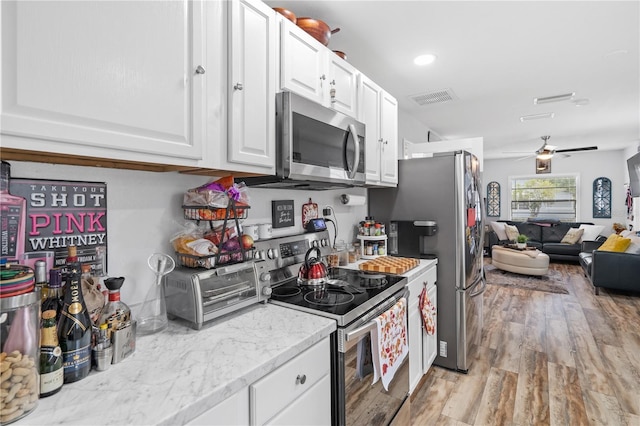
point(360, 331)
point(369, 326)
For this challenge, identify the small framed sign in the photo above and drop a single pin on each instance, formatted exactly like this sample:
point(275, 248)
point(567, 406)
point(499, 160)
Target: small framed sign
point(282, 214)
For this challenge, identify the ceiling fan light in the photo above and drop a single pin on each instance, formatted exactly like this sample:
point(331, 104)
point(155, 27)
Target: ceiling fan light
point(545, 155)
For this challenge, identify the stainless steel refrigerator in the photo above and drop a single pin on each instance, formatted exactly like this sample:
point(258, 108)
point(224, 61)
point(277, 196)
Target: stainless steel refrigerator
point(444, 189)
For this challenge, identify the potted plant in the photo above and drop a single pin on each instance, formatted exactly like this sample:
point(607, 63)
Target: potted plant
point(521, 241)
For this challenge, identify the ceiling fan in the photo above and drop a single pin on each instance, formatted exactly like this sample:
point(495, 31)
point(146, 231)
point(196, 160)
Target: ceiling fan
point(546, 151)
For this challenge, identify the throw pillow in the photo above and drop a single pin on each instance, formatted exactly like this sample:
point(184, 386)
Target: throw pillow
point(615, 243)
point(591, 232)
point(498, 228)
point(634, 247)
point(572, 236)
point(511, 231)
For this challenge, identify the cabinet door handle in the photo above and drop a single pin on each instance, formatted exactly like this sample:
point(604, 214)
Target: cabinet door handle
point(238, 86)
point(200, 70)
point(301, 379)
point(323, 77)
point(380, 140)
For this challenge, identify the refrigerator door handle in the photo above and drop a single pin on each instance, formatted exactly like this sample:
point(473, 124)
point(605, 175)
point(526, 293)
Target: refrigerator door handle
point(482, 283)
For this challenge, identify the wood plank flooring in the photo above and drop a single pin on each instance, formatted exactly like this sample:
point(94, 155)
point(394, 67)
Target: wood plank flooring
point(544, 359)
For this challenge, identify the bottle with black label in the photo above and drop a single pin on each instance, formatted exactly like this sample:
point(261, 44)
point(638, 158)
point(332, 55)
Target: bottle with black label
point(74, 328)
point(54, 299)
point(51, 371)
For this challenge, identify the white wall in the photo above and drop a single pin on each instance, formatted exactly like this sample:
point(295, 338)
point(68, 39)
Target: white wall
point(144, 211)
point(588, 165)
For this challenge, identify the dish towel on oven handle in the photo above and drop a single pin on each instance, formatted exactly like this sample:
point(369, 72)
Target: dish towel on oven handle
point(427, 312)
point(389, 342)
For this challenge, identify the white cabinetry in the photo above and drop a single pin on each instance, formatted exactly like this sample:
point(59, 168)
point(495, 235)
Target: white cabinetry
point(310, 69)
point(119, 80)
point(378, 110)
point(251, 85)
point(233, 411)
point(296, 393)
point(422, 346)
point(299, 392)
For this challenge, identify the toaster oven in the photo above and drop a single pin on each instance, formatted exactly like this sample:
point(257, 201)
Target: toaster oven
point(201, 295)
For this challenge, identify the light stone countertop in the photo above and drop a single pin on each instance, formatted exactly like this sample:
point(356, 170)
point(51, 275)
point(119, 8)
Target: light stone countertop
point(179, 373)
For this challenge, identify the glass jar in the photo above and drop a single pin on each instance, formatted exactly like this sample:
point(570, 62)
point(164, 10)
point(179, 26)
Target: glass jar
point(353, 254)
point(20, 325)
point(382, 251)
point(343, 254)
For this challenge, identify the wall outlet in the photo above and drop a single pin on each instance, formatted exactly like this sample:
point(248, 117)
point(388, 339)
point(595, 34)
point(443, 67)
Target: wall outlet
point(443, 348)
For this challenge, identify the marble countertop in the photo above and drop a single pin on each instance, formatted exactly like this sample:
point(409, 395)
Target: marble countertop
point(179, 373)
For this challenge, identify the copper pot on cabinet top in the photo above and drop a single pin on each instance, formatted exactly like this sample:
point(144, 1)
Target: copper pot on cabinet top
point(317, 29)
point(286, 13)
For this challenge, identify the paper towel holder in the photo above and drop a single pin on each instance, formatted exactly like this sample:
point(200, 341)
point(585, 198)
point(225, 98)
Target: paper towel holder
point(353, 200)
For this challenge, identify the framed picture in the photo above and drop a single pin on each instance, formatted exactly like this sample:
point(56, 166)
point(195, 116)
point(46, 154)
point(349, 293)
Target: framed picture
point(543, 166)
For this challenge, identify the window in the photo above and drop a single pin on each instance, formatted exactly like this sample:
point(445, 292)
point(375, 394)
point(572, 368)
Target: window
point(549, 198)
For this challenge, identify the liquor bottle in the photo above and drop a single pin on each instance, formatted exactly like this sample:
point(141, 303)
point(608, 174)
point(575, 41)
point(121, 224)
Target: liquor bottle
point(74, 329)
point(13, 218)
point(41, 277)
point(114, 312)
point(51, 370)
point(54, 300)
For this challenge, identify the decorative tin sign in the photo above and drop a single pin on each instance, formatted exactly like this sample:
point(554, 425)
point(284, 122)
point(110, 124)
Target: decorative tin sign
point(61, 214)
point(309, 211)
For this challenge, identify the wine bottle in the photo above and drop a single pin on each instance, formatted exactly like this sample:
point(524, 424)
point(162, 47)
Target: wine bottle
point(54, 300)
point(74, 329)
point(41, 277)
point(51, 370)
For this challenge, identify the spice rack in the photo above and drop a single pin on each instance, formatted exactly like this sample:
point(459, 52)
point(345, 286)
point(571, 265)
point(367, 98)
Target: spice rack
point(216, 214)
point(371, 242)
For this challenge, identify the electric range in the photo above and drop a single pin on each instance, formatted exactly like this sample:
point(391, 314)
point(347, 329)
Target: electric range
point(345, 296)
point(353, 299)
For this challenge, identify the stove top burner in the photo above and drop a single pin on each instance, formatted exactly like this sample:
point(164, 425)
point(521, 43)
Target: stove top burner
point(373, 281)
point(326, 297)
point(285, 292)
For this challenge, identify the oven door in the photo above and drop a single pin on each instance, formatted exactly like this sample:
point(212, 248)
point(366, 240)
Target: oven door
point(356, 400)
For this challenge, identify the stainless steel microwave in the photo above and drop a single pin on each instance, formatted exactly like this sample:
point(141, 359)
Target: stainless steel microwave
point(316, 147)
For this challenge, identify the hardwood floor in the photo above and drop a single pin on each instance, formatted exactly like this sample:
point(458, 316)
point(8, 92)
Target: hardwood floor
point(544, 359)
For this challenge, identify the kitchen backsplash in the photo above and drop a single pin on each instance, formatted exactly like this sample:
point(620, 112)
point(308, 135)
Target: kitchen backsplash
point(144, 211)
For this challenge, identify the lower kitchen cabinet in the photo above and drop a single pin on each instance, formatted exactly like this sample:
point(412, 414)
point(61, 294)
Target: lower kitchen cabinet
point(233, 411)
point(422, 346)
point(299, 392)
point(296, 393)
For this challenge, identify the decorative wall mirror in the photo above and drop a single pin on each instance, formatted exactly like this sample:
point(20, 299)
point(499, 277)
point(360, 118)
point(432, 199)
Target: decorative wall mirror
point(602, 198)
point(493, 199)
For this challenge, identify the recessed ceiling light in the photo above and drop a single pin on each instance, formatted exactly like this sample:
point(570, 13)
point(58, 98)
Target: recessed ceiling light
point(556, 98)
point(537, 116)
point(424, 59)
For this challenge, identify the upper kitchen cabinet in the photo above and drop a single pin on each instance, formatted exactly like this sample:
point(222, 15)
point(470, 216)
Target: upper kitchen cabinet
point(311, 70)
point(378, 110)
point(251, 86)
point(116, 80)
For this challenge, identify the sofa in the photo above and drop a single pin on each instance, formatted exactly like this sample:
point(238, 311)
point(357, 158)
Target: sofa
point(607, 269)
point(545, 235)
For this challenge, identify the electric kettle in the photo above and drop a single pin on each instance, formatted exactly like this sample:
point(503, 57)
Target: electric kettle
point(313, 271)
